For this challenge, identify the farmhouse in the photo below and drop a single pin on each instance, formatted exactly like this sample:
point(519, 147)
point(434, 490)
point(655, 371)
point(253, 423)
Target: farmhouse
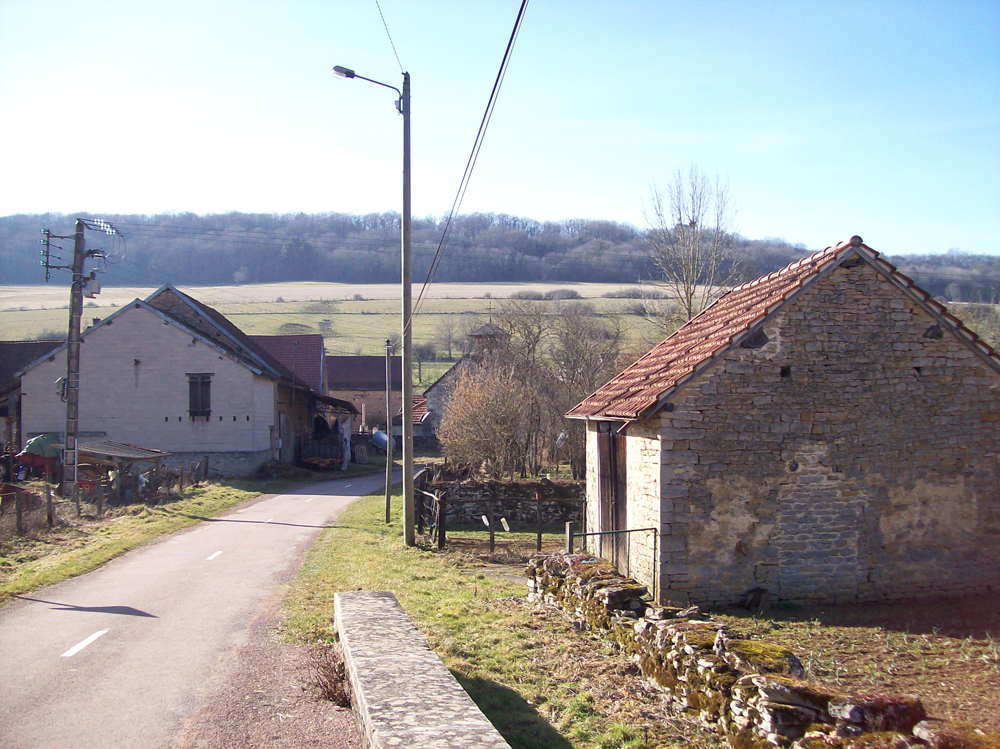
point(173, 374)
point(15, 356)
point(826, 433)
point(485, 339)
point(361, 380)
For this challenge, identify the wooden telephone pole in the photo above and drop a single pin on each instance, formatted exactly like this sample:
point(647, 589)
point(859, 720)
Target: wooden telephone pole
point(78, 288)
point(73, 363)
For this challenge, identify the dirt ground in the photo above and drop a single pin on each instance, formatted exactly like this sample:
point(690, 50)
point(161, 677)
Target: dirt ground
point(265, 697)
point(946, 651)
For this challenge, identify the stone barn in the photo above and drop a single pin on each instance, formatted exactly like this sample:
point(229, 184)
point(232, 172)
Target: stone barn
point(826, 433)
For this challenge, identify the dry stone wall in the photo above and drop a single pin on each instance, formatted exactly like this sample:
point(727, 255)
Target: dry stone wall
point(749, 691)
point(467, 502)
point(854, 456)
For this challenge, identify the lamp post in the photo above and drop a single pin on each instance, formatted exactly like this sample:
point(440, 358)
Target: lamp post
point(403, 107)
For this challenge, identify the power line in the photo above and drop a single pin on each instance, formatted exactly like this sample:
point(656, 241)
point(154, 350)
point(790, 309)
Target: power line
point(474, 155)
point(389, 35)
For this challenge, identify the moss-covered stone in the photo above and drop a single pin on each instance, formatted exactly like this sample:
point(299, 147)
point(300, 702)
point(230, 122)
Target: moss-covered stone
point(944, 734)
point(754, 656)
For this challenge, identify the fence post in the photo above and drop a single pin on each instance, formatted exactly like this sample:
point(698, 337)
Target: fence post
point(180, 481)
point(538, 519)
point(569, 537)
point(418, 502)
point(19, 512)
point(489, 510)
point(100, 498)
point(442, 514)
point(76, 497)
point(48, 505)
point(205, 475)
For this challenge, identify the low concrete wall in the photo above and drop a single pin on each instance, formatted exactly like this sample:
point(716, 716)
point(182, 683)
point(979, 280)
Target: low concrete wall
point(402, 694)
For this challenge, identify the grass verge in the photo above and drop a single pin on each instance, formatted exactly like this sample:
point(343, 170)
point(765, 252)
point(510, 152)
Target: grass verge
point(540, 681)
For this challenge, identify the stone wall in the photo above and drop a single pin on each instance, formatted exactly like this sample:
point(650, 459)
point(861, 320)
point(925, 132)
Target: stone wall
point(467, 502)
point(749, 691)
point(855, 456)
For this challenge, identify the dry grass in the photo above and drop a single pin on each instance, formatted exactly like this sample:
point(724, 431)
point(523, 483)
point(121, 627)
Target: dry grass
point(945, 651)
point(328, 674)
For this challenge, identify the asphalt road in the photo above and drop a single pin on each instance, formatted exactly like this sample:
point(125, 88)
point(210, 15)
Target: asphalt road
point(121, 656)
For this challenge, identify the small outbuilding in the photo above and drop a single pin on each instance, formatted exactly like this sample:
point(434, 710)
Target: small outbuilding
point(825, 433)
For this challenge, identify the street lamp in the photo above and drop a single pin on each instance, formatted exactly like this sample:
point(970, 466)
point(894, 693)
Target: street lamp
point(403, 107)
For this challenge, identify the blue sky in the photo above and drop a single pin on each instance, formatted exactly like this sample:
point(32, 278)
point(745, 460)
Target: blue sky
point(828, 118)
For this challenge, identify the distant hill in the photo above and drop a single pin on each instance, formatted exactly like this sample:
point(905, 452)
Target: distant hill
point(236, 248)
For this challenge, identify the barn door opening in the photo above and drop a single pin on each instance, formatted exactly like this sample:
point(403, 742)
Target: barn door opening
point(612, 480)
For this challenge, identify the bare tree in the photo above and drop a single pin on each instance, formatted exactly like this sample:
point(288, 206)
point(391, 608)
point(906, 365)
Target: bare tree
point(691, 239)
point(483, 427)
point(445, 335)
point(423, 352)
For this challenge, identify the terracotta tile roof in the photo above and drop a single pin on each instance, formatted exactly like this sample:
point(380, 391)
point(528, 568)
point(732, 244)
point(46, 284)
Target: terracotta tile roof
point(300, 354)
point(634, 393)
point(419, 408)
point(361, 373)
point(419, 411)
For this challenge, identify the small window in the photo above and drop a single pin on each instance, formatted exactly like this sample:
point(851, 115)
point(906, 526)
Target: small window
point(199, 395)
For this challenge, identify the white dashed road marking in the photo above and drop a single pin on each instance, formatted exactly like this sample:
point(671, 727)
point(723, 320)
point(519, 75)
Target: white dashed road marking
point(213, 556)
point(81, 645)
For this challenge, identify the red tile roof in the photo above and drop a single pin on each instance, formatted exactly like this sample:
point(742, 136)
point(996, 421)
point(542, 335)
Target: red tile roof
point(419, 411)
point(636, 392)
point(302, 355)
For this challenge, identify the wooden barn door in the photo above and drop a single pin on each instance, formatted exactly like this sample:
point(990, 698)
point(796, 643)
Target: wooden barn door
point(621, 559)
point(612, 488)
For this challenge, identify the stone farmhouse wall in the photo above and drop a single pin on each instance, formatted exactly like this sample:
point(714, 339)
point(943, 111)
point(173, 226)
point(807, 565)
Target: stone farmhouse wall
point(134, 389)
point(855, 456)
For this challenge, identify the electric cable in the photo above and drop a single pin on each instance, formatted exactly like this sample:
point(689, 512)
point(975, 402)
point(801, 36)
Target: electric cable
point(473, 156)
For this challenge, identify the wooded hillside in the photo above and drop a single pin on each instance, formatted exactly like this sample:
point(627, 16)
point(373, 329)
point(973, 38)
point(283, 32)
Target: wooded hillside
point(237, 248)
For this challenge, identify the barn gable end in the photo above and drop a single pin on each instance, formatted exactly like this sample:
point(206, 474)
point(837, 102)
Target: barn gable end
point(849, 449)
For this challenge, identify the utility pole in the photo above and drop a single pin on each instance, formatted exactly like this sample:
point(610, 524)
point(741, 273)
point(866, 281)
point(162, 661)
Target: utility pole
point(388, 429)
point(409, 535)
point(79, 287)
point(73, 363)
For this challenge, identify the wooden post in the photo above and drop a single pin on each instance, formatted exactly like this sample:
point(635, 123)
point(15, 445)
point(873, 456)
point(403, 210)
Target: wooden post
point(418, 501)
point(489, 511)
point(76, 497)
point(442, 514)
point(48, 505)
point(180, 481)
point(19, 512)
point(205, 474)
point(569, 537)
point(100, 498)
point(538, 520)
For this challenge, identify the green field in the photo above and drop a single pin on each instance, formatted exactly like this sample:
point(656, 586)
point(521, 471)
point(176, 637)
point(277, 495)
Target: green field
point(350, 326)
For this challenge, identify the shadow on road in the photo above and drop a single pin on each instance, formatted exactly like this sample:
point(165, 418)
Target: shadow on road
point(255, 522)
point(120, 610)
